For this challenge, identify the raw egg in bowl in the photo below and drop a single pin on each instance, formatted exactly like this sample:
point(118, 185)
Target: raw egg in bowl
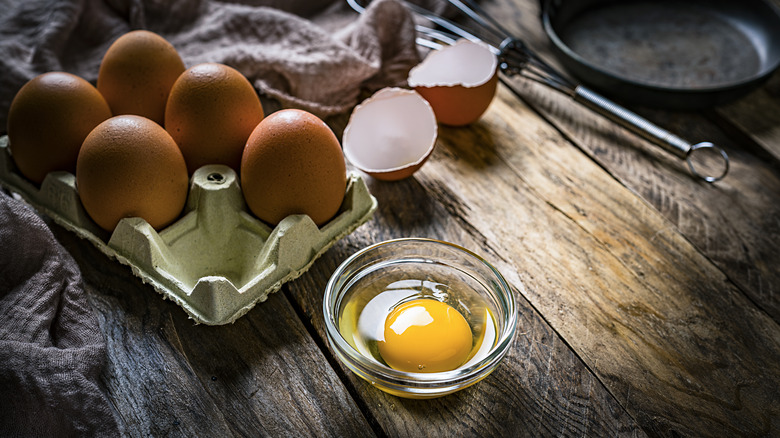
point(419, 318)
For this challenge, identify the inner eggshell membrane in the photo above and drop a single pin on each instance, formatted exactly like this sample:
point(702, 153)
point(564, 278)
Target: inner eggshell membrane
point(391, 134)
point(466, 63)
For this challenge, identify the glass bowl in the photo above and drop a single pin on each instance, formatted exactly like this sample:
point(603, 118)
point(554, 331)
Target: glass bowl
point(370, 283)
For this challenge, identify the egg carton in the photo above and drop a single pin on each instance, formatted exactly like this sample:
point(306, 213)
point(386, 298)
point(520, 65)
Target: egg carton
point(217, 261)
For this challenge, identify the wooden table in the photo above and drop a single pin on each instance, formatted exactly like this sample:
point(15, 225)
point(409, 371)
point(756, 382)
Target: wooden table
point(648, 301)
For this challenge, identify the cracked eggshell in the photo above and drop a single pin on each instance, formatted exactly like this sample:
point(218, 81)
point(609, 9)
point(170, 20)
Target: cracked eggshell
point(459, 81)
point(391, 134)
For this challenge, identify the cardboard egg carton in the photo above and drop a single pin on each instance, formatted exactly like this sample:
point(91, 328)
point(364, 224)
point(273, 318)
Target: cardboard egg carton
point(217, 260)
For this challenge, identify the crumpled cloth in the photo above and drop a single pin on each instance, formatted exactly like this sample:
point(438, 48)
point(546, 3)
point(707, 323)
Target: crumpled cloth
point(287, 56)
point(51, 348)
point(52, 351)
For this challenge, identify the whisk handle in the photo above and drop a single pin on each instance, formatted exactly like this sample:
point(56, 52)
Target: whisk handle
point(649, 131)
point(632, 121)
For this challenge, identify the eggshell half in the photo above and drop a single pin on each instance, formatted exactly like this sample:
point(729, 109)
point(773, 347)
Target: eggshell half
point(391, 134)
point(459, 81)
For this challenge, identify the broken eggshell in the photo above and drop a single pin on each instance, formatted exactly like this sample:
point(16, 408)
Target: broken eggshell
point(391, 134)
point(459, 81)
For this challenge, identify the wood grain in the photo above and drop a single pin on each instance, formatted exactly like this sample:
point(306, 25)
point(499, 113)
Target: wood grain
point(758, 115)
point(594, 259)
point(737, 231)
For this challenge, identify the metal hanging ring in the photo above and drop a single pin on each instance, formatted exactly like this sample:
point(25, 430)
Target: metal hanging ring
point(707, 145)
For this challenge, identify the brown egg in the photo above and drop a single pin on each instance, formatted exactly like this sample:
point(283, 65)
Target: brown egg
point(211, 111)
point(293, 164)
point(129, 166)
point(137, 72)
point(48, 120)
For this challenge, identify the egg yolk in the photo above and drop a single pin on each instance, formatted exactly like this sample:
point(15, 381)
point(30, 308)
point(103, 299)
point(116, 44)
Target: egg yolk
point(425, 335)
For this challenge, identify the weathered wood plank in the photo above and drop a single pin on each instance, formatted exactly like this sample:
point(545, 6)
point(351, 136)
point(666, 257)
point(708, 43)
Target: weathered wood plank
point(541, 388)
point(166, 376)
point(677, 344)
point(759, 115)
point(732, 222)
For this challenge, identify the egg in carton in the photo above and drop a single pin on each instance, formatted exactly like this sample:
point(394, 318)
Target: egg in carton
point(217, 261)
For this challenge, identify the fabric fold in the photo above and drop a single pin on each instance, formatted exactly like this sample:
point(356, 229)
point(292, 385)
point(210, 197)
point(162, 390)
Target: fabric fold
point(51, 348)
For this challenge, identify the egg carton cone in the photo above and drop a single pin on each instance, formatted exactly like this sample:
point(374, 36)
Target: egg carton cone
point(217, 261)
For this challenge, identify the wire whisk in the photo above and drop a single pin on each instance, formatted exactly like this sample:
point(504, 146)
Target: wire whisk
point(516, 59)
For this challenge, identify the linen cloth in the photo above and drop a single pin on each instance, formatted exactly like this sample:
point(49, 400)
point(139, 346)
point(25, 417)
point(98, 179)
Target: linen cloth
point(51, 348)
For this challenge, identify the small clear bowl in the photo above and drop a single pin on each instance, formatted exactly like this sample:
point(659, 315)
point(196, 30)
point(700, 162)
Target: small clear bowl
point(431, 262)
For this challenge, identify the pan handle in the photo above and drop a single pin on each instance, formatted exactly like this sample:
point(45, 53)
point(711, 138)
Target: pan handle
point(649, 131)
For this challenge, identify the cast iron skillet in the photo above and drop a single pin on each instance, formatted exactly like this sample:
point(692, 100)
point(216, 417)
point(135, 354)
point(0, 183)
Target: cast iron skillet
point(667, 54)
